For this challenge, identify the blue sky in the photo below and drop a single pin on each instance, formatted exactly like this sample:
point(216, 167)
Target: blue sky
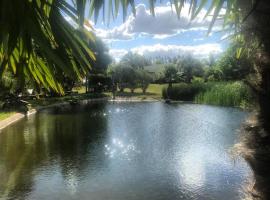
point(162, 35)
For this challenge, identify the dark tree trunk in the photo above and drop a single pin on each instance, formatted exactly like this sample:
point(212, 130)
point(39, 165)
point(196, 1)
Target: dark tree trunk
point(264, 97)
point(144, 90)
point(170, 85)
point(255, 142)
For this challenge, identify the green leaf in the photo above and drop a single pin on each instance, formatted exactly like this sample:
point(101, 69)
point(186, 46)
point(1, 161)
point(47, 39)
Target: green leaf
point(116, 3)
point(239, 52)
point(12, 64)
point(216, 12)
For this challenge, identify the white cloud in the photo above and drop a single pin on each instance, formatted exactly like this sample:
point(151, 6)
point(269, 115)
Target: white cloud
point(199, 51)
point(198, 39)
point(164, 24)
point(119, 33)
point(117, 54)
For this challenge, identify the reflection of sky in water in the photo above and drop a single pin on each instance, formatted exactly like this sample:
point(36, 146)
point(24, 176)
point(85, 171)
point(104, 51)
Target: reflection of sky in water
point(105, 113)
point(72, 182)
point(118, 148)
point(130, 151)
point(192, 169)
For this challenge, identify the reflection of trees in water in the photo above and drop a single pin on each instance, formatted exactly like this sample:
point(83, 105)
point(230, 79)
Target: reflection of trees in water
point(14, 154)
point(62, 136)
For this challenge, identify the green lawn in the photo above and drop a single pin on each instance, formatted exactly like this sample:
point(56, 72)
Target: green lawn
point(80, 90)
point(4, 115)
point(154, 91)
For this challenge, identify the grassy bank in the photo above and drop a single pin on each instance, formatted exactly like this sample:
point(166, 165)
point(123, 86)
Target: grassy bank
point(6, 114)
point(49, 101)
point(235, 94)
point(154, 91)
point(53, 100)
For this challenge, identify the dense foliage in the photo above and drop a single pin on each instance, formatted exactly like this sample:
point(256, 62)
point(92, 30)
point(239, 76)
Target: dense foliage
point(226, 94)
point(183, 91)
point(130, 73)
point(215, 93)
point(229, 67)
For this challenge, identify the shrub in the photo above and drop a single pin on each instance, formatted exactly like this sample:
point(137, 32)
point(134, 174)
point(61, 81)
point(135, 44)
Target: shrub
point(196, 79)
point(183, 91)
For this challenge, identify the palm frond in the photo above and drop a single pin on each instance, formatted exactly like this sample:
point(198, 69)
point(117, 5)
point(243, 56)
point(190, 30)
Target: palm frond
point(37, 41)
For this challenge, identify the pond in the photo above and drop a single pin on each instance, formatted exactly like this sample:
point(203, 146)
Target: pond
point(120, 151)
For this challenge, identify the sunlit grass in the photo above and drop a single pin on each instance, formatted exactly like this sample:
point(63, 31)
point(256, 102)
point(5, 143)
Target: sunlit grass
point(4, 115)
point(80, 90)
point(156, 88)
point(153, 91)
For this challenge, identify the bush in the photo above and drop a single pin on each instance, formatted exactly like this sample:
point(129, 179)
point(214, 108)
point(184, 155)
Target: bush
point(183, 91)
point(196, 79)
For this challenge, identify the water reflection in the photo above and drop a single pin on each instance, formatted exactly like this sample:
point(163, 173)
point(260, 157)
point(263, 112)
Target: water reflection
point(123, 151)
point(120, 149)
point(191, 169)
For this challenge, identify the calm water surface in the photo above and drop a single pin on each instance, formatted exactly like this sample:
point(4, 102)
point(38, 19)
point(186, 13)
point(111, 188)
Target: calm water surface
point(120, 151)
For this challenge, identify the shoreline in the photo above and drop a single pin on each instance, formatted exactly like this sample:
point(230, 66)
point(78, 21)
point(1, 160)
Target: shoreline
point(18, 116)
point(11, 120)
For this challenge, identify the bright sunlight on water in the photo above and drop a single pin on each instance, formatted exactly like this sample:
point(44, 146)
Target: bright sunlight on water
point(122, 151)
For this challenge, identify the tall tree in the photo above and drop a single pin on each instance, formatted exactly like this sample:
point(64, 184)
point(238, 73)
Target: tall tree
point(101, 51)
point(135, 60)
point(189, 67)
point(171, 74)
